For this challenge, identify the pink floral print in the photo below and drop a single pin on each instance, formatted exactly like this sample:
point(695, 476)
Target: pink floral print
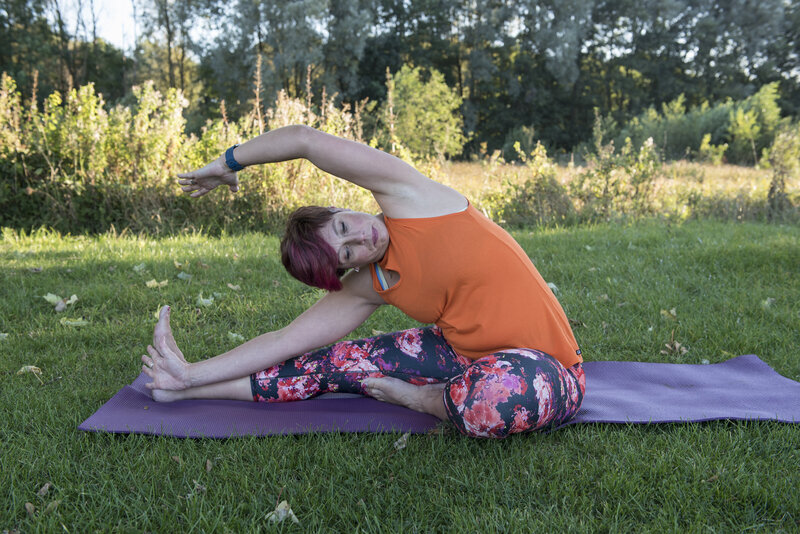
point(505, 393)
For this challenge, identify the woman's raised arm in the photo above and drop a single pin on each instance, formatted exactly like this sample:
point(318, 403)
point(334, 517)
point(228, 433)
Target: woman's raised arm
point(399, 189)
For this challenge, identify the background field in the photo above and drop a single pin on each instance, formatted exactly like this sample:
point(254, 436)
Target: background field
point(735, 289)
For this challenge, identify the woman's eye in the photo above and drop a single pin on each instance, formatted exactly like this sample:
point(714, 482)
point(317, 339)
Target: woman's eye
point(344, 228)
point(347, 254)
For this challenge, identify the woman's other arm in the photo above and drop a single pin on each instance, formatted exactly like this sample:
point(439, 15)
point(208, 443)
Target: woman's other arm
point(332, 317)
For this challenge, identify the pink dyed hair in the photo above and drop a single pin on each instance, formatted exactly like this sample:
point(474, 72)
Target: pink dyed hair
point(305, 254)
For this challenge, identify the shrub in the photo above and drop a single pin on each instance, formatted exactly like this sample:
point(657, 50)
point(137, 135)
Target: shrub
point(784, 159)
point(539, 200)
point(422, 114)
point(745, 127)
point(714, 154)
point(616, 183)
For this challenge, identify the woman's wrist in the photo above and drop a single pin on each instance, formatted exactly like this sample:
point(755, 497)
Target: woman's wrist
point(230, 159)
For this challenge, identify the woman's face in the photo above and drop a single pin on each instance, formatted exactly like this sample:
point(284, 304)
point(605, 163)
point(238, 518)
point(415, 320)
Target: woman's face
point(358, 238)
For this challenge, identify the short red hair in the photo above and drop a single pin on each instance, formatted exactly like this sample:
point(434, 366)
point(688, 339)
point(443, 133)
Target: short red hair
point(305, 254)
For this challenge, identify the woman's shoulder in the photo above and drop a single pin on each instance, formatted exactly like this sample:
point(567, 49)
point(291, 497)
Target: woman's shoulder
point(425, 201)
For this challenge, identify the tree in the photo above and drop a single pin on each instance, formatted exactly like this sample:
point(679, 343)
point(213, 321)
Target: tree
point(427, 121)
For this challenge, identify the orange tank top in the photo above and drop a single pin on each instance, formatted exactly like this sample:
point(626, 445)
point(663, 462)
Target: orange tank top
point(468, 276)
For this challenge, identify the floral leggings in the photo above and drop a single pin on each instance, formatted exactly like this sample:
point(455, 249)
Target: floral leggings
point(500, 394)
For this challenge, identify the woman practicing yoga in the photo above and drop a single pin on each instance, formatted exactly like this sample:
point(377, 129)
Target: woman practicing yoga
point(500, 357)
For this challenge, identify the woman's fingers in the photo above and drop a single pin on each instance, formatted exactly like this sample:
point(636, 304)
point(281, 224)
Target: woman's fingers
point(147, 360)
point(149, 372)
point(151, 350)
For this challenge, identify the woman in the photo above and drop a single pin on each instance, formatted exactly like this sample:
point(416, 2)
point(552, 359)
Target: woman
point(500, 358)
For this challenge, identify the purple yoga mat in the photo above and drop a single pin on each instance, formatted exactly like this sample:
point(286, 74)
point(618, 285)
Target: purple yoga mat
point(743, 388)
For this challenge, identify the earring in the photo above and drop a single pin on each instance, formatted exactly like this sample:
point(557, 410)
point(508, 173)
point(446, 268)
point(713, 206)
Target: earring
point(356, 269)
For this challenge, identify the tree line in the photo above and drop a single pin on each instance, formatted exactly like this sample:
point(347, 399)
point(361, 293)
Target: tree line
point(535, 70)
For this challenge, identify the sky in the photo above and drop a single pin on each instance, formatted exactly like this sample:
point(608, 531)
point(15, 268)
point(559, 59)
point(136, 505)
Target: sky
point(114, 20)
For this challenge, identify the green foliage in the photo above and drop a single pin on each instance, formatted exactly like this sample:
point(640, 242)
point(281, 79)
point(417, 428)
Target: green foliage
point(521, 139)
point(744, 128)
point(709, 153)
point(426, 119)
point(784, 159)
point(753, 124)
point(617, 183)
point(76, 166)
point(538, 201)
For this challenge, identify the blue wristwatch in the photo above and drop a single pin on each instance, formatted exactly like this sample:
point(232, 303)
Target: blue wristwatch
point(231, 162)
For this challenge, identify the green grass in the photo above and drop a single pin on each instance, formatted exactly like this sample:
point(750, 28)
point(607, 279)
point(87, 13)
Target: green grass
point(735, 289)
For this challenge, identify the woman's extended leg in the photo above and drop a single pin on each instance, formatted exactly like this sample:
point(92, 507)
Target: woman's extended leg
point(514, 391)
point(418, 356)
point(238, 389)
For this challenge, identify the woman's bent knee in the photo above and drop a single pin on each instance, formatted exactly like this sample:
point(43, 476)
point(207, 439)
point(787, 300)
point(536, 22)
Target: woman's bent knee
point(513, 391)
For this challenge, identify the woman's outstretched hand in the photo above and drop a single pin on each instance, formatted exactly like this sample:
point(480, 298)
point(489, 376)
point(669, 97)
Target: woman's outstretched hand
point(201, 181)
point(166, 364)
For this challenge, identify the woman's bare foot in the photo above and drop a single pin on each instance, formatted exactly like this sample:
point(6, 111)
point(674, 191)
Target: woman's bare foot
point(164, 395)
point(163, 331)
point(166, 364)
point(426, 399)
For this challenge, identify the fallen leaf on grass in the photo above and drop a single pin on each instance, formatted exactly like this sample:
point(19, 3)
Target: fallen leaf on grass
point(30, 508)
point(377, 332)
point(44, 489)
point(281, 513)
point(673, 347)
point(603, 298)
point(766, 304)
point(140, 268)
point(209, 466)
point(204, 302)
point(35, 371)
point(73, 322)
point(36, 270)
point(3, 336)
point(671, 314)
point(235, 337)
point(575, 322)
point(176, 459)
point(553, 288)
point(234, 287)
point(201, 264)
point(152, 283)
point(184, 276)
point(60, 304)
point(51, 298)
point(401, 443)
point(51, 506)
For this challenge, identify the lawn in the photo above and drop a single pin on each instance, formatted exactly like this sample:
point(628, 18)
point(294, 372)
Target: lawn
point(719, 289)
